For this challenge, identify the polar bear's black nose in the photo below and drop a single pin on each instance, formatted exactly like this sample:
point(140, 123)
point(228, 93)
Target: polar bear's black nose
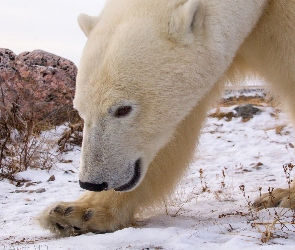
point(93, 186)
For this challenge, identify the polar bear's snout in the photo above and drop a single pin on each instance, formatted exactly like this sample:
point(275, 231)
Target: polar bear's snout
point(136, 176)
point(94, 187)
point(133, 181)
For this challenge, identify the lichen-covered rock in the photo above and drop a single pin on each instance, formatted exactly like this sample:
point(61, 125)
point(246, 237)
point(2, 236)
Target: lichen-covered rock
point(246, 111)
point(37, 84)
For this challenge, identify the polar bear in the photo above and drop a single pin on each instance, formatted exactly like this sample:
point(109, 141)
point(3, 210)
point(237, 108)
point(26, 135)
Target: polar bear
point(148, 74)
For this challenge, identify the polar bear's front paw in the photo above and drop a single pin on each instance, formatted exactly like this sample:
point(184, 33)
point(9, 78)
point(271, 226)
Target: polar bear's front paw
point(68, 219)
point(277, 198)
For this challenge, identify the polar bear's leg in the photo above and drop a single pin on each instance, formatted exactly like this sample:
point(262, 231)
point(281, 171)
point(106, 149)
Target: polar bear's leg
point(109, 210)
point(277, 198)
point(269, 50)
point(281, 197)
point(92, 212)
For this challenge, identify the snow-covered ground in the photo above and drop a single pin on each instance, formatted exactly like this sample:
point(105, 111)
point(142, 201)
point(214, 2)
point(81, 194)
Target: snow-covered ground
point(209, 211)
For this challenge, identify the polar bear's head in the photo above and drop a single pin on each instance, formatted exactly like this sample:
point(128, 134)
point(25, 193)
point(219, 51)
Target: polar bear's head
point(138, 78)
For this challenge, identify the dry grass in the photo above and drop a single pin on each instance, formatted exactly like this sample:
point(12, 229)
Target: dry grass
point(23, 145)
point(73, 136)
point(222, 115)
point(269, 223)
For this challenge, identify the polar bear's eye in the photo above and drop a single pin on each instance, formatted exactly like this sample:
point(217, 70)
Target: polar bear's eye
point(123, 111)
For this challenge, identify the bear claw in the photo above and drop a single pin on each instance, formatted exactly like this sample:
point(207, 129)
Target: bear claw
point(68, 210)
point(87, 215)
point(58, 209)
point(60, 227)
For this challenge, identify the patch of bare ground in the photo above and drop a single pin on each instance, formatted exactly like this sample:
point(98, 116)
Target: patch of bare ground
point(251, 103)
point(239, 100)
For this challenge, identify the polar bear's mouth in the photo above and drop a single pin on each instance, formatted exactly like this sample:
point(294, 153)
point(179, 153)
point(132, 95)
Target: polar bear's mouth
point(104, 186)
point(136, 176)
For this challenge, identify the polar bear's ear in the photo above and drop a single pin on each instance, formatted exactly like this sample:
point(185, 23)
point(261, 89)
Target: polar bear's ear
point(186, 20)
point(87, 23)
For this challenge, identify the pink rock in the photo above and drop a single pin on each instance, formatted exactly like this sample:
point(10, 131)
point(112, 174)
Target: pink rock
point(38, 84)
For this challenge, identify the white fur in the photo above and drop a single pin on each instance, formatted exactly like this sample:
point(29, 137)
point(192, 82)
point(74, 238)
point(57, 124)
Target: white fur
point(120, 55)
point(168, 61)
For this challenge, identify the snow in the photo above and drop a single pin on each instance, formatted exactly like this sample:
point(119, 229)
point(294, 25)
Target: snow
point(208, 210)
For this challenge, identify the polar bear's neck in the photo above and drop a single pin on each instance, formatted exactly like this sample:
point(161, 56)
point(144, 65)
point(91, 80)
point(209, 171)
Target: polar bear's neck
point(230, 22)
point(227, 23)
